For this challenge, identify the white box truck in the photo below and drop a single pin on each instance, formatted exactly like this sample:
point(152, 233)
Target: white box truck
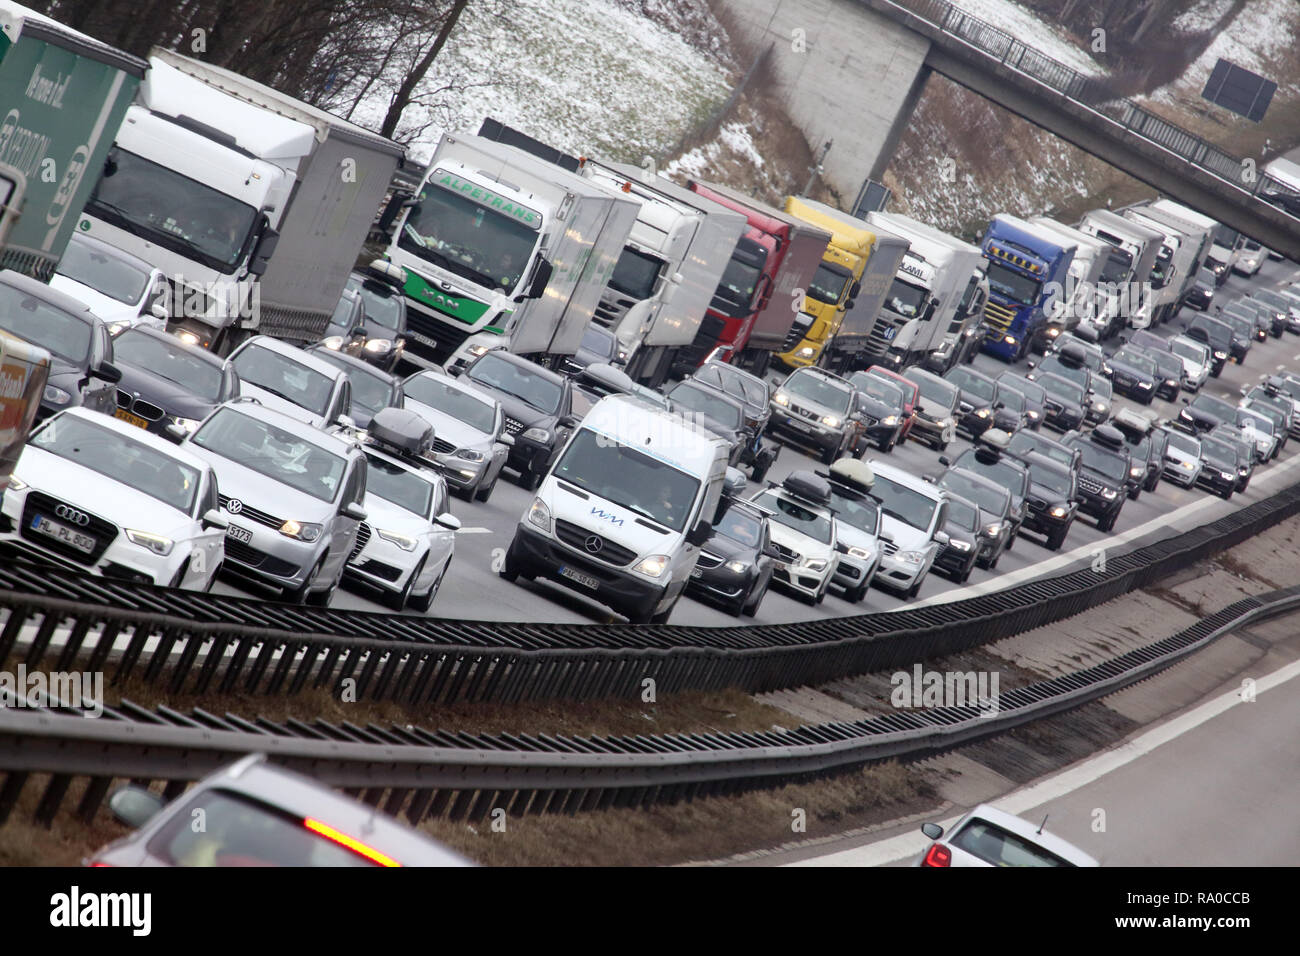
point(1142, 246)
point(1185, 244)
point(922, 318)
point(502, 248)
point(669, 268)
point(254, 204)
point(1084, 302)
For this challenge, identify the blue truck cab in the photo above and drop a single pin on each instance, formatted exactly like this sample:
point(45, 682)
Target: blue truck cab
point(1027, 276)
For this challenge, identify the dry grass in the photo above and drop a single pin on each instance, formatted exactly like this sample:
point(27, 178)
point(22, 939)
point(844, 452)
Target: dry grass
point(24, 842)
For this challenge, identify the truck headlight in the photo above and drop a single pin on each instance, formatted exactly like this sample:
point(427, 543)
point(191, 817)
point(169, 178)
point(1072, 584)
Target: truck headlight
point(302, 530)
point(807, 352)
point(539, 515)
point(539, 435)
point(153, 542)
point(653, 566)
point(1009, 339)
point(476, 350)
point(56, 396)
point(378, 346)
point(403, 541)
point(17, 484)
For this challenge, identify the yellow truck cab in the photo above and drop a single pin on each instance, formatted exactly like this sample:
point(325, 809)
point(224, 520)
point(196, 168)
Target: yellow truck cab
point(832, 289)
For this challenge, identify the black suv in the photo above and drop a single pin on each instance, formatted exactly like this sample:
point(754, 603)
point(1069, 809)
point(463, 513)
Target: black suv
point(976, 395)
point(1053, 499)
point(1134, 373)
point(1064, 402)
point(1005, 470)
point(1104, 473)
point(755, 395)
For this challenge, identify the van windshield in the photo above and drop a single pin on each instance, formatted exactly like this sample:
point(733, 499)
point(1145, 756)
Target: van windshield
point(627, 476)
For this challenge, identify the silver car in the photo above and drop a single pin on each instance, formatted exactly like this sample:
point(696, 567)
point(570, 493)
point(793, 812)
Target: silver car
point(295, 382)
point(470, 443)
point(258, 814)
point(293, 497)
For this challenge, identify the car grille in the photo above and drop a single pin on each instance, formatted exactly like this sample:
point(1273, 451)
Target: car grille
point(1091, 485)
point(442, 447)
point(576, 537)
point(513, 425)
point(998, 316)
point(137, 406)
point(890, 547)
point(802, 412)
point(255, 558)
point(785, 554)
point(363, 538)
point(102, 531)
point(708, 560)
point(252, 514)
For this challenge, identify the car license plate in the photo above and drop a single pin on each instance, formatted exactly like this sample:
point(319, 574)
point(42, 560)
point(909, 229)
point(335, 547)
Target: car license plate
point(61, 532)
point(239, 534)
point(802, 426)
point(135, 420)
point(586, 580)
point(422, 339)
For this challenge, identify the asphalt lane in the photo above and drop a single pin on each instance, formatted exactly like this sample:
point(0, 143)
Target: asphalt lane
point(473, 591)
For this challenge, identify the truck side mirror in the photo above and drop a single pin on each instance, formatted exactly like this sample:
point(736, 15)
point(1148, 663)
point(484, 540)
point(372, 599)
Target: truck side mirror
point(854, 290)
point(263, 251)
point(541, 279)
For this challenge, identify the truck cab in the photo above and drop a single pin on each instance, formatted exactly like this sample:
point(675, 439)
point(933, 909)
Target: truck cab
point(1027, 272)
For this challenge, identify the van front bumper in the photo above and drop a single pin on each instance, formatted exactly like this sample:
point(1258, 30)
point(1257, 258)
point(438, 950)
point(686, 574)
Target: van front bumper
point(536, 555)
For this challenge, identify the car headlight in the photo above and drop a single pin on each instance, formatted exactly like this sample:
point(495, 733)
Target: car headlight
point(334, 342)
point(889, 420)
point(154, 542)
point(1059, 512)
point(539, 515)
point(815, 564)
point(862, 553)
point(1136, 471)
point(911, 557)
point(539, 435)
point(56, 396)
point(738, 567)
point(189, 424)
point(1033, 414)
point(1110, 494)
point(188, 337)
point(17, 484)
point(1098, 406)
point(1220, 355)
point(781, 398)
point(653, 566)
point(117, 328)
point(959, 545)
point(403, 541)
point(982, 413)
point(1145, 385)
point(302, 530)
point(622, 355)
point(1053, 332)
point(469, 454)
point(1106, 369)
point(1186, 464)
point(992, 530)
point(1243, 471)
point(1229, 475)
point(378, 346)
point(830, 421)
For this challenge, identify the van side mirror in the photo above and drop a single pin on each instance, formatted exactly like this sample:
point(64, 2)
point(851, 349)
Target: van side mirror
point(541, 279)
point(699, 534)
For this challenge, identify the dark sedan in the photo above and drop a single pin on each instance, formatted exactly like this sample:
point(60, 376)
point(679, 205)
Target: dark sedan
point(1169, 367)
point(1063, 402)
point(1218, 467)
point(1205, 412)
point(1133, 373)
point(1005, 471)
point(882, 404)
point(372, 388)
point(994, 502)
point(1035, 398)
point(1052, 503)
point(976, 396)
point(169, 387)
point(734, 568)
point(716, 411)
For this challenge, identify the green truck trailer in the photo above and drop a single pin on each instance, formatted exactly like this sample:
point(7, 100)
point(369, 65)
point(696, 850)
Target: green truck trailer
point(62, 98)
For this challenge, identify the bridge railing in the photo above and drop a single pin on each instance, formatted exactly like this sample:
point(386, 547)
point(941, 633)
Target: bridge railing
point(1084, 89)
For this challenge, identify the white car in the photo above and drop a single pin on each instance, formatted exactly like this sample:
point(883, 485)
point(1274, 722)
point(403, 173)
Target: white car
point(1183, 461)
point(805, 535)
point(92, 493)
point(120, 288)
point(1196, 359)
point(293, 382)
point(408, 539)
point(988, 836)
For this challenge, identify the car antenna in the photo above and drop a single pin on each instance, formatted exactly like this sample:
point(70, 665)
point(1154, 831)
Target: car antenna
point(1043, 824)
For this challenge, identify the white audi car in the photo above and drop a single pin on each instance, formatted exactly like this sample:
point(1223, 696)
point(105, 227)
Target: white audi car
point(95, 494)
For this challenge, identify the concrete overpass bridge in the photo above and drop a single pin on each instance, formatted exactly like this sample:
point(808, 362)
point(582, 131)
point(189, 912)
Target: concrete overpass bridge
point(853, 71)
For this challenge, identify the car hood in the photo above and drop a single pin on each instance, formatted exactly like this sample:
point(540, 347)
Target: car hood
point(730, 550)
point(878, 409)
point(258, 491)
point(91, 492)
point(608, 519)
point(933, 410)
point(852, 537)
point(447, 428)
point(104, 306)
point(816, 407)
point(279, 404)
point(517, 408)
point(906, 538)
point(171, 398)
point(381, 513)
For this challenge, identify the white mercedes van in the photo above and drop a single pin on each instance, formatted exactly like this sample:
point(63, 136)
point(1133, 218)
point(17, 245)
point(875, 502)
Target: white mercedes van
point(621, 515)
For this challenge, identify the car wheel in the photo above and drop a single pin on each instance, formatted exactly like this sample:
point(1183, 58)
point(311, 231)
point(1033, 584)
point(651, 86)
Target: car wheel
point(886, 445)
point(993, 564)
point(1057, 538)
point(1011, 538)
point(750, 609)
point(299, 595)
point(483, 494)
point(663, 616)
point(965, 575)
point(421, 602)
point(1152, 483)
point(1134, 492)
point(759, 472)
point(1108, 523)
point(398, 601)
point(913, 591)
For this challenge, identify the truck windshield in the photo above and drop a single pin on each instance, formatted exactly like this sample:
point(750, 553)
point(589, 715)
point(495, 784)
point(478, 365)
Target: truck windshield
point(636, 274)
point(178, 213)
point(469, 238)
point(1118, 263)
point(828, 283)
point(906, 299)
point(40, 323)
point(109, 275)
point(1013, 285)
point(735, 292)
point(825, 392)
point(626, 476)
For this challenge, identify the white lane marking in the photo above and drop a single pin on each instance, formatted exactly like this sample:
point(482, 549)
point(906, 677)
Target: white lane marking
point(474, 531)
point(1088, 551)
point(909, 845)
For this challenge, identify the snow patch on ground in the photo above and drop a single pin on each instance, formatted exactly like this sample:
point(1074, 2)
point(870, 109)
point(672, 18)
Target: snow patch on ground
point(1202, 16)
point(1032, 31)
point(735, 138)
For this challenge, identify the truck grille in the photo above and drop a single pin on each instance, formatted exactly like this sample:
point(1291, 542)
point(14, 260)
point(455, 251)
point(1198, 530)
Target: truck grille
point(998, 316)
point(423, 329)
point(882, 335)
point(577, 537)
point(612, 308)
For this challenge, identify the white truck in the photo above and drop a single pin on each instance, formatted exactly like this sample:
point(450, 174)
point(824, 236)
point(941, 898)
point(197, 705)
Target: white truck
point(254, 204)
point(504, 249)
point(1217, 258)
point(1186, 246)
point(1085, 301)
point(922, 318)
point(669, 268)
point(1142, 246)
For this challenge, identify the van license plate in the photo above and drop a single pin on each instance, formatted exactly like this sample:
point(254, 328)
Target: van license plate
point(586, 580)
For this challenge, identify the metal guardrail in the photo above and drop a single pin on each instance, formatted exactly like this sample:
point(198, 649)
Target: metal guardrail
point(421, 773)
point(200, 643)
point(1084, 90)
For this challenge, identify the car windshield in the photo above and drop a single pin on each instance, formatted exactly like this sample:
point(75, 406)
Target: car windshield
point(903, 503)
point(1001, 848)
point(972, 384)
point(1214, 406)
point(275, 452)
point(280, 375)
point(1052, 479)
point(1063, 388)
point(828, 283)
point(937, 390)
point(370, 391)
point(1102, 388)
point(1218, 453)
point(1011, 398)
point(537, 390)
point(1052, 365)
point(169, 359)
point(818, 388)
point(383, 306)
point(1135, 359)
point(1004, 472)
point(860, 513)
point(106, 274)
point(434, 391)
point(40, 323)
point(1012, 285)
point(791, 514)
point(470, 231)
point(1188, 350)
point(887, 392)
point(989, 497)
point(1260, 423)
point(708, 403)
point(398, 485)
point(237, 831)
point(1100, 460)
point(1184, 443)
point(740, 526)
point(627, 476)
point(963, 515)
point(1033, 391)
point(121, 459)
